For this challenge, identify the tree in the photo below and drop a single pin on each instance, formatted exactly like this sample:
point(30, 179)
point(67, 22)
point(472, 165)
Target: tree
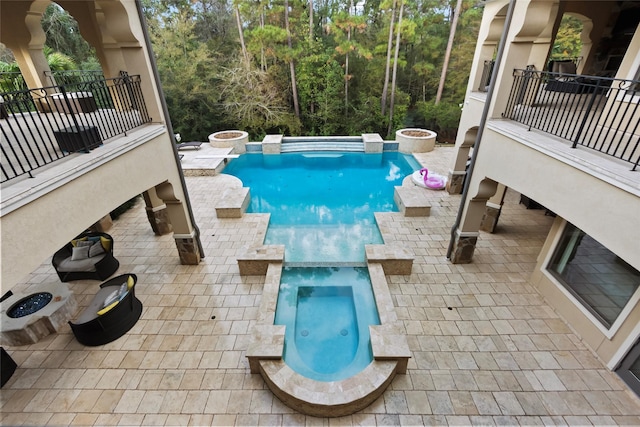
point(258, 64)
point(568, 43)
point(189, 75)
point(255, 101)
point(447, 53)
point(395, 69)
point(292, 67)
point(383, 99)
point(63, 34)
point(243, 48)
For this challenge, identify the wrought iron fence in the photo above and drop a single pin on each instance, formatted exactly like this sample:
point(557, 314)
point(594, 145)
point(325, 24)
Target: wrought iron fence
point(600, 113)
point(40, 126)
point(66, 77)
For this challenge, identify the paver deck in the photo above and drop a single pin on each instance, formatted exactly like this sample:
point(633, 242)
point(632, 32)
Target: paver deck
point(486, 349)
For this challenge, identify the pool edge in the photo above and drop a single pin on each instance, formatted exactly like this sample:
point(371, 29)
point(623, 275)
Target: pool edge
point(337, 398)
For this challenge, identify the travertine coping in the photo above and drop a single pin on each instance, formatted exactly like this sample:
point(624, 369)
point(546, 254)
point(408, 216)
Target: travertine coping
point(336, 398)
point(255, 261)
point(373, 143)
point(233, 203)
point(412, 201)
point(393, 259)
point(33, 327)
point(271, 144)
point(328, 399)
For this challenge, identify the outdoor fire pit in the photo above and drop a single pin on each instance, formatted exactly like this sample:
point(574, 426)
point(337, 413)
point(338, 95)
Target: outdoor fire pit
point(413, 140)
point(29, 316)
point(235, 139)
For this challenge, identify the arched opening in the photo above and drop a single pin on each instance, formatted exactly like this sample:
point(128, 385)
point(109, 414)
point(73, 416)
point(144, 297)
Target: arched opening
point(568, 40)
point(70, 57)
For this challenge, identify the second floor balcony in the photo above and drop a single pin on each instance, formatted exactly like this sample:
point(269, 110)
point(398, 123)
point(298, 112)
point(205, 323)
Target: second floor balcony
point(41, 126)
point(598, 113)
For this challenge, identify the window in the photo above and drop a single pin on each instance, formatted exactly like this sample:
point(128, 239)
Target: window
point(629, 369)
point(598, 278)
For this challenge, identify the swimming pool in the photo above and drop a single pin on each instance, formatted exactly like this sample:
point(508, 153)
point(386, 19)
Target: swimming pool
point(321, 207)
point(322, 204)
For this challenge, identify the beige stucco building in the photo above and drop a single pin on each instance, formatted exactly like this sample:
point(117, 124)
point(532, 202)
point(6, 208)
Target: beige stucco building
point(564, 134)
point(47, 203)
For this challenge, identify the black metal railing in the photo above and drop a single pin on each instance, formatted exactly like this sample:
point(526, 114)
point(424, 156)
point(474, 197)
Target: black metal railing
point(487, 71)
point(67, 77)
point(600, 113)
point(11, 81)
point(40, 126)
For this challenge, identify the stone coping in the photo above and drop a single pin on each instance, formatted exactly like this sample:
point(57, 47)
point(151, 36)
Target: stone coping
point(393, 259)
point(412, 200)
point(233, 203)
point(328, 399)
point(335, 398)
point(255, 261)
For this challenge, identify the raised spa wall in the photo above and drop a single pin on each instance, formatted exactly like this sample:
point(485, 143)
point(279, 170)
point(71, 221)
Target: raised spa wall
point(389, 345)
point(373, 143)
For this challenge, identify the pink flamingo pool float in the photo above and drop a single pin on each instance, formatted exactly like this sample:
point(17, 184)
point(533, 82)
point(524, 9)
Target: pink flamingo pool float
point(431, 181)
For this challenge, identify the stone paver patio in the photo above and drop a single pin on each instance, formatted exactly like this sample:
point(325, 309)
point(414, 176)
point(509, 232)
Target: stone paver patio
point(486, 348)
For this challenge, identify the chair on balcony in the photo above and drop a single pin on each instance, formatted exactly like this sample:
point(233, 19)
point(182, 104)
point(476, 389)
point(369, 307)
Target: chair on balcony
point(88, 256)
point(111, 314)
point(563, 78)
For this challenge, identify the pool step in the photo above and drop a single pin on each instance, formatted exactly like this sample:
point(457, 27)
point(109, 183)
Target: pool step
point(292, 145)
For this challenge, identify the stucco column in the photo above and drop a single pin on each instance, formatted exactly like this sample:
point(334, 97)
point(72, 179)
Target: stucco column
point(466, 234)
point(458, 173)
point(21, 31)
point(493, 209)
point(157, 213)
point(184, 232)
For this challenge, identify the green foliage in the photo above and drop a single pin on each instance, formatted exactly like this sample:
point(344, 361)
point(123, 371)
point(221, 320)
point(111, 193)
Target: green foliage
point(320, 86)
point(63, 35)
point(188, 74)
point(567, 43)
point(255, 101)
point(442, 118)
point(6, 67)
point(209, 87)
point(58, 61)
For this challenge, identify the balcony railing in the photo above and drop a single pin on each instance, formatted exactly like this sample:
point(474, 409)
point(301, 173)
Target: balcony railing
point(600, 113)
point(67, 77)
point(40, 126)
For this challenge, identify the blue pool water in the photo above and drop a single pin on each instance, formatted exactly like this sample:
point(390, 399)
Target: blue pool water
point(327, 311)
point(322, 204)
point(322, 209)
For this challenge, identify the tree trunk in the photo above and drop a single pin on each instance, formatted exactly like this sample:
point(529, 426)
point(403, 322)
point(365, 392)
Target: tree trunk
point(346, 65)
point(263, 58)
point(245, 55)
point(312, 105)
point(385, 87)
point(292, 68)
point(395, 70)
point(310, 21)
point(447, 53)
